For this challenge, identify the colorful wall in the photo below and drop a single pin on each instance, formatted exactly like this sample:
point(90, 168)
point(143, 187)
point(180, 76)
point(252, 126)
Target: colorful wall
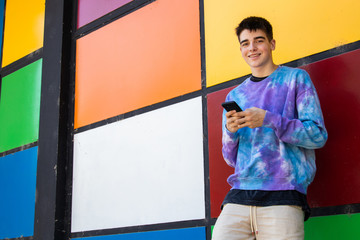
point(21, 31)
point(110, 115)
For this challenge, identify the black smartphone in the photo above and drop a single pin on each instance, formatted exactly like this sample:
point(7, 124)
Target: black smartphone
point(232, 105)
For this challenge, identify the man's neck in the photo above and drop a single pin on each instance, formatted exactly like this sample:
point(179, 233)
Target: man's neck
point(264, 71)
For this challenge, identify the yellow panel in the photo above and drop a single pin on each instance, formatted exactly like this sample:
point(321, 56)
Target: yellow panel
point(301, 28)
point(24, 29)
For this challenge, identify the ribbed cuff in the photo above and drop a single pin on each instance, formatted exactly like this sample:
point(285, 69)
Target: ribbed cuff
point(230, 134)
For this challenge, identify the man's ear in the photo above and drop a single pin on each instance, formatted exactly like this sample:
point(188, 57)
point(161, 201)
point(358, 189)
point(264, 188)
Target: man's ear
point(273, 44)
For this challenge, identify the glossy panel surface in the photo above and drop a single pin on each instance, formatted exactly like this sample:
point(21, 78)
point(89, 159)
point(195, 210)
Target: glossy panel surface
point(146, 57)
point(177, 234)
point(20, 107)
point(17, 191)
point(89, 10)
point(146, 169)
point(333, 227)
point(338, 86)
point(24, 29)
point(293, 23)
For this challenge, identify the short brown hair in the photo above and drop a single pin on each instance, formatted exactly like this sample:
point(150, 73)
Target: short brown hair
point(254, 23)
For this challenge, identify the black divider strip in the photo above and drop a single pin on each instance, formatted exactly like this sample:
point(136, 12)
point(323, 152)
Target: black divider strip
point(50, 204)
point(139, 111)
point(21, 238)
point(22, 62)
point(18, 149)
point(70, 122)
point(143, 228)
point(205, 122)
point(335, 210)
point(324, 55)
point(110, 17)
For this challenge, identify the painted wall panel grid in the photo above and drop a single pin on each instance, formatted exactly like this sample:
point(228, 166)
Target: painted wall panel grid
point(24, 29)
point(147, 169)
point(20, 107)
point(146, 57)
point(17, 190)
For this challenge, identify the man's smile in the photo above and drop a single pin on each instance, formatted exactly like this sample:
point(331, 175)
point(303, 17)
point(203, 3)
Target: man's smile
point(254, 55)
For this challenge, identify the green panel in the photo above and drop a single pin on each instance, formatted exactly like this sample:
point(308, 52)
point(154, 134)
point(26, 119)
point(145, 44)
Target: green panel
point(20, 107)
point(333, 227)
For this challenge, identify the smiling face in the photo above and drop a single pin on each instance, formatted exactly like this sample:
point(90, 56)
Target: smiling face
point(256, 49)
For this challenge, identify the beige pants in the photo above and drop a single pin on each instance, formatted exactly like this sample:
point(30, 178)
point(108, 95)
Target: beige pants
point(241, 222)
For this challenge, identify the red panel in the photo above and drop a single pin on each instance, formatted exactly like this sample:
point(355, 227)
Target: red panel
point(219, 170)
point(337, 181)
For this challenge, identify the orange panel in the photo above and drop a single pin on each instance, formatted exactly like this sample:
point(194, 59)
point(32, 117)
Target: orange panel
point(146, 57)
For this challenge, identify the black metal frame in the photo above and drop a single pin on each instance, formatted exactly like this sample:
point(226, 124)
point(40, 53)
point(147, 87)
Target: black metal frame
point(50, 205)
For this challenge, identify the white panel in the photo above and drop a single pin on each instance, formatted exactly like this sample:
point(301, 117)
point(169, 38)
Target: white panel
point(147, 169)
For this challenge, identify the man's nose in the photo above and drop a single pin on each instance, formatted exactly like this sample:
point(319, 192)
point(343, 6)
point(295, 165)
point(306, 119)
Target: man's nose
point(252, 46)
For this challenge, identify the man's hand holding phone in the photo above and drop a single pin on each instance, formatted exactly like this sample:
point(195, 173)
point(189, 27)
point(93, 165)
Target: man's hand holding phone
point(251, 117)
point(232, 120)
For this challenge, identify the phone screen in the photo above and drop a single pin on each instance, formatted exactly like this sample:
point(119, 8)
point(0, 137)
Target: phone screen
point(232, 105)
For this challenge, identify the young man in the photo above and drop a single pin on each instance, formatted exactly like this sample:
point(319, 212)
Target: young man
point(270, 144)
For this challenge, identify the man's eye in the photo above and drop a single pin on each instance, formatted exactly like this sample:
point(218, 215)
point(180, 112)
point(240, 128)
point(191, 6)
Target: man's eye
point(244, 44)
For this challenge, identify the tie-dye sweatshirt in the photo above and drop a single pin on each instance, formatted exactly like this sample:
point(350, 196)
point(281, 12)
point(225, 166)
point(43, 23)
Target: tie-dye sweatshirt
point(279, 155)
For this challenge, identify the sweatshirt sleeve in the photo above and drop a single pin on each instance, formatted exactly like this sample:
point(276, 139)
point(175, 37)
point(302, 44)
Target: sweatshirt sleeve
point(308, 129)
point(230, 144)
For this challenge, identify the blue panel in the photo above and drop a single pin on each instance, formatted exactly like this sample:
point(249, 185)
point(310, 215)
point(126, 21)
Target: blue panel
point(177, 234)
point(17, 193)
